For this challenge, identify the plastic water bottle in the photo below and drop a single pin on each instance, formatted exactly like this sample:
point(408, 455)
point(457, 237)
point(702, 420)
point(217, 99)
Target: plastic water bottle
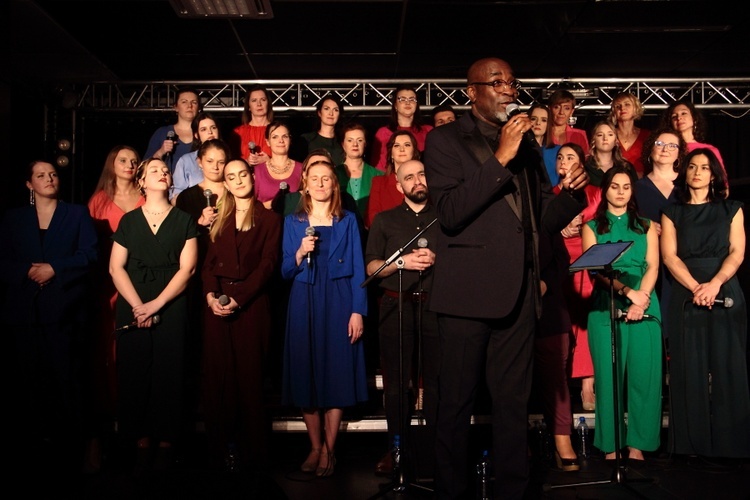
point(583, 436)
point(232, 459)
point(396, 458)
point(484, 490)
point(543, 442)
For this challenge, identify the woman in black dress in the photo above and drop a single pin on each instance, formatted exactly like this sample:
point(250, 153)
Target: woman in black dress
point(703, 245)
point(153, 257)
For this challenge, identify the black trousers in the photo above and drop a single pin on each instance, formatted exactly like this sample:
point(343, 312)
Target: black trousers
point(504, 350)
point(389, 359)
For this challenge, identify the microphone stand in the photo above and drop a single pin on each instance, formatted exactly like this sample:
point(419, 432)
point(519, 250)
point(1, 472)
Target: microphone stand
point(399, 484)
point(397, 254)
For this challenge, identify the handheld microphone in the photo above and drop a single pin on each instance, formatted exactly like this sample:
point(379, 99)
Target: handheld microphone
point(254, 148)
point(620, 314)
point(309, 231)
point(171, 137)
point(512, 110)
point(279, 201)
point(208, 194)
point(156, 319)
point(727, 302)
point(223, 299)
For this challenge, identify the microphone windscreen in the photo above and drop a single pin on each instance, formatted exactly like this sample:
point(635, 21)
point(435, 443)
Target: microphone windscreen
point(422, 243)
point(223, 300)
point(208, 193)
point(309, 231)
point(512, 109)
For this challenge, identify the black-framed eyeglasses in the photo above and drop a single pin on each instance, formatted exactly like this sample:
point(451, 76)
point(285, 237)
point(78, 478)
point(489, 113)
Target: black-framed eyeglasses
point(670, 146)
point(499, 84)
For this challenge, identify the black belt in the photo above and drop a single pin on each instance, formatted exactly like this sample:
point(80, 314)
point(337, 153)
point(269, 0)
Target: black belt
point(416, 297)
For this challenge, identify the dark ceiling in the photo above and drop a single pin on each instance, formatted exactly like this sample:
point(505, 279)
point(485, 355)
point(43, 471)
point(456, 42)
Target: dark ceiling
point(145, 40)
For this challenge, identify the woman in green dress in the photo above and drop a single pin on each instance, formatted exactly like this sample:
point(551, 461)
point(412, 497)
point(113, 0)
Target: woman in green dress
point(639, 347)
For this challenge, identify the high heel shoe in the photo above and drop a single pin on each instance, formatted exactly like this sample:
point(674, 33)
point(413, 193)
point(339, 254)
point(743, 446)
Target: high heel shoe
point(311, 464)
point(588, 405)
point(328, 469)
point(567, 464)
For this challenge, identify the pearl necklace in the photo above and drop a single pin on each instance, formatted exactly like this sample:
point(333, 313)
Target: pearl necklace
point(279, 171)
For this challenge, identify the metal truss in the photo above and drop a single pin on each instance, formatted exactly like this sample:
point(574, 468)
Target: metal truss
point(376, 95)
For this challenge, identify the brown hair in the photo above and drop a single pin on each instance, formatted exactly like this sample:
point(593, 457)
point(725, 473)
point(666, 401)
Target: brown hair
point(305, 204)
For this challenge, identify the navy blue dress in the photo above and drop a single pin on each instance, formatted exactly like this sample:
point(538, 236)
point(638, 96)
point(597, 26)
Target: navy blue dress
point(322, 368)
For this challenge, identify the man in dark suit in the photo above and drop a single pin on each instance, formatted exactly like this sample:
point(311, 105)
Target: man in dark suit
point(493, 198)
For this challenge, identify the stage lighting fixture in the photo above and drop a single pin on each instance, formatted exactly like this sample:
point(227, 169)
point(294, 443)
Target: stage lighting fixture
point(243, 9)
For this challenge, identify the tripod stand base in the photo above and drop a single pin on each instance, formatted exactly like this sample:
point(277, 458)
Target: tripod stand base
point(617, 486)
point(400, 487)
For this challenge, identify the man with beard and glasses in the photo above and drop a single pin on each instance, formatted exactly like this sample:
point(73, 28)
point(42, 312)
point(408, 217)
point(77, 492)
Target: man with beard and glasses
point(391, 230)
point(492, 199)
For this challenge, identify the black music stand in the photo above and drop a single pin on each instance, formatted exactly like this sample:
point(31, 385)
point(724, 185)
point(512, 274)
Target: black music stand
point(600, 258)
point(399, 484)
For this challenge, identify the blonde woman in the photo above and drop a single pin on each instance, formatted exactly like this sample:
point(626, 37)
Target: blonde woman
point(153, 257)
point(324, 363)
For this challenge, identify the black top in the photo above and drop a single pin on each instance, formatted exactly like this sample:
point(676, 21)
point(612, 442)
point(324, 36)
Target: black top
point(391, 230)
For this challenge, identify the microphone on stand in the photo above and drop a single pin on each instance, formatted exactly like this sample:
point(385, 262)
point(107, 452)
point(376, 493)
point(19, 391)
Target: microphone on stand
point(155, 320)
point(422, 243)
point(309, 231)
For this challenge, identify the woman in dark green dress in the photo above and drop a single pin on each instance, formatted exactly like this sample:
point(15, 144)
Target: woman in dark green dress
point(703, 245)
point(153, 257)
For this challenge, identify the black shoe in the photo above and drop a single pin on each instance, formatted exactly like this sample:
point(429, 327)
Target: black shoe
point(385, 466)
point(163, 459)
point(142, 462)
point(567, 464)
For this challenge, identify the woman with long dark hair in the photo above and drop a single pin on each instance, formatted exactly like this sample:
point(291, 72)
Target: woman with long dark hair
point(703, 245)
point(639, 349)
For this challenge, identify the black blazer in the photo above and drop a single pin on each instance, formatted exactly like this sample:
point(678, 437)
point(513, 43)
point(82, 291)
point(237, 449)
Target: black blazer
point(69, 246)
point(480, 264)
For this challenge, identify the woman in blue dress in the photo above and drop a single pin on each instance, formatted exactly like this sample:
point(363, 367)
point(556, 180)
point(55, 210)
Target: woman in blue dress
point(324, 363)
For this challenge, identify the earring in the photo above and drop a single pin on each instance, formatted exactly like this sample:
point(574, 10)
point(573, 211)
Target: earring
point(32, 200)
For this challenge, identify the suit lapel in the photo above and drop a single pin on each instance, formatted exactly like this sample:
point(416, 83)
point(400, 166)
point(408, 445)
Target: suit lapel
point(477, 145)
